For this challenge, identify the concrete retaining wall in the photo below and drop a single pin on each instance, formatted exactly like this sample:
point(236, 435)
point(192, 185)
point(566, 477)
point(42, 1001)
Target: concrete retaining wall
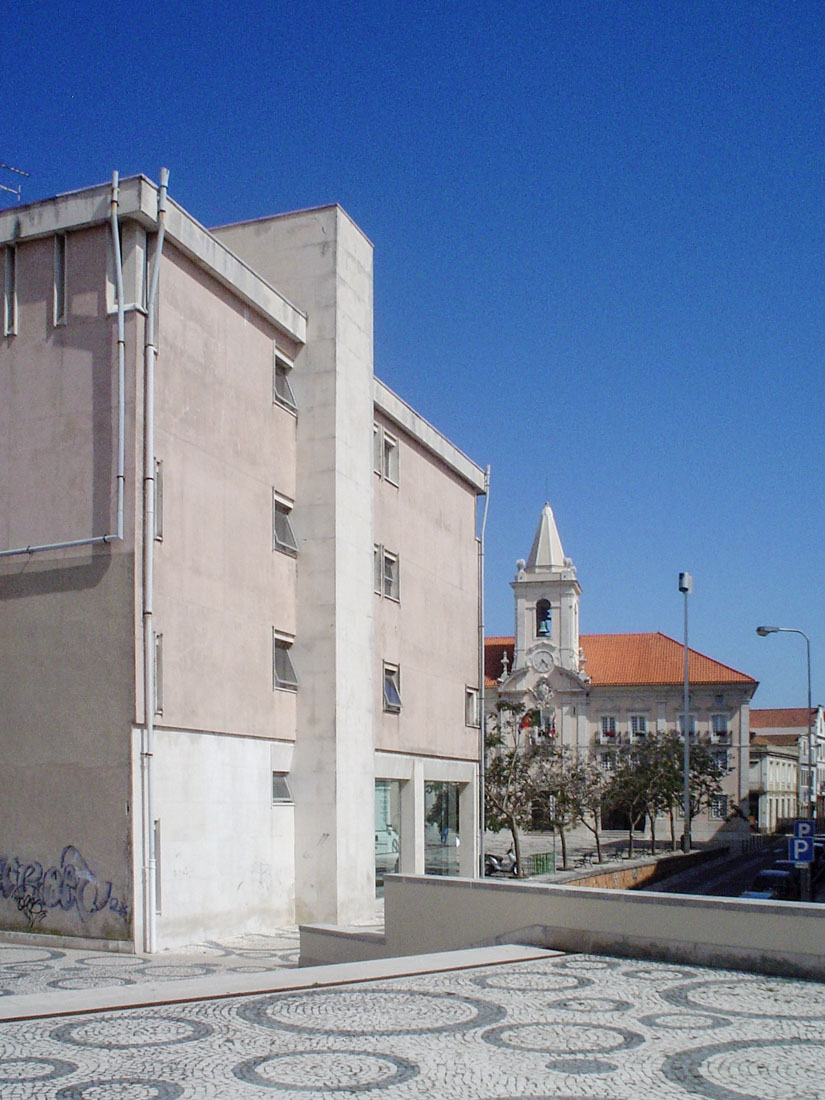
point(427, 914)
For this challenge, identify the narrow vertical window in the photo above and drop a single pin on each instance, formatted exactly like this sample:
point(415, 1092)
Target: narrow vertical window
point(159, 499)
point(281, 389)
point(283, 671)
point(60, 279)
point(158, 669)
point(392, 688)
point(390, 458)
point(472, 713)
point(283, 537)
point(10, 291)
point(391, 577)
point(376, 449)
point(377, 566)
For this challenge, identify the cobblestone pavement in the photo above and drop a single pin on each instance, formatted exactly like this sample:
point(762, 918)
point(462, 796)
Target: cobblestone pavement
point(25, 969)
point(568, 1026)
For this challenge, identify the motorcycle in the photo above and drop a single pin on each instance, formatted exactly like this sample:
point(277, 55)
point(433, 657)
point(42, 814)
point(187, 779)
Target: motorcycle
point(501, 865)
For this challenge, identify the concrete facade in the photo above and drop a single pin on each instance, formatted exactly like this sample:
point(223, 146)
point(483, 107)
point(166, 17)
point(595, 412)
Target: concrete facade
point(268, 647)
point(598, 694)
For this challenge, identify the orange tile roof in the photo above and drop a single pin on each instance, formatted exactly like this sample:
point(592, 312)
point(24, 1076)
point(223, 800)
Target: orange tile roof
point(772, 718)
point(631, 659)
point(774, 739)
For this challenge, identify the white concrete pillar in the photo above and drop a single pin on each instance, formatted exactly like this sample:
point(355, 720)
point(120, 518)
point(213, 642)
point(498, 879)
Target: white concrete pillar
point(468, 825)
point(412, 822)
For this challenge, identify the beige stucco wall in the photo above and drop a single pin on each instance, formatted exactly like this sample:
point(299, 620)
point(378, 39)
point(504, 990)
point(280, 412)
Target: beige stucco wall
point(66, 618)
point(431, 632)
point(220, 588)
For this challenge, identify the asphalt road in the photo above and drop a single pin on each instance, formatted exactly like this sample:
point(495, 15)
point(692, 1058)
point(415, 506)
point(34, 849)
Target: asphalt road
point(728, 878)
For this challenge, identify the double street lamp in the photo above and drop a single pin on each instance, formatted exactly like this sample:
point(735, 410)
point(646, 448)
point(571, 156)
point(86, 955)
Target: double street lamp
point(763, 631)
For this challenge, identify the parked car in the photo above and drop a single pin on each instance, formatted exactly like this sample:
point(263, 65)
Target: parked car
point(773, 885)
point(387, 850)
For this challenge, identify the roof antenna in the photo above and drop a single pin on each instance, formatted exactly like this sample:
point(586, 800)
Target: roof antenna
point(18, 172)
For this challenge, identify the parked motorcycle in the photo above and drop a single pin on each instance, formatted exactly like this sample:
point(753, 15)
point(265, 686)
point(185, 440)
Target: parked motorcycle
point(501, 865)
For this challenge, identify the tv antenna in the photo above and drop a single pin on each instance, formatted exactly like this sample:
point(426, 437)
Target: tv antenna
point(17, 172)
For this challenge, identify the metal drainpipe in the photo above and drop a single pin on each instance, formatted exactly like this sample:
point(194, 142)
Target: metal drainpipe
point(121, 356)
point(99, 540)
point(150, 355)
point(482, 756)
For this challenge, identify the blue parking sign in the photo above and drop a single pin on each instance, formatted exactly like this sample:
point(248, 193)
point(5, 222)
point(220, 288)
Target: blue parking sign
point(803, 826)
point(801, 849)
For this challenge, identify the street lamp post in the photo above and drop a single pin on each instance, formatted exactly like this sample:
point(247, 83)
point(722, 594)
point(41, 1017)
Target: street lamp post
point(686, 587)
point(763, 631)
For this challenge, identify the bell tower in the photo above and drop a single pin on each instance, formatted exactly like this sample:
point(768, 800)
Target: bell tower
point(547, 603)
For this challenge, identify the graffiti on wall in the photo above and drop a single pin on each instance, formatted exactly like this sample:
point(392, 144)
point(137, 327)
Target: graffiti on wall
point(70, 885)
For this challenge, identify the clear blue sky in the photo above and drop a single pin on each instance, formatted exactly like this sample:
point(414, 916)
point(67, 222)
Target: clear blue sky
point(599, 254)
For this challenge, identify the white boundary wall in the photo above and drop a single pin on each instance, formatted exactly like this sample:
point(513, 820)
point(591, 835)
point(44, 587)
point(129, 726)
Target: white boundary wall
point(427, 914)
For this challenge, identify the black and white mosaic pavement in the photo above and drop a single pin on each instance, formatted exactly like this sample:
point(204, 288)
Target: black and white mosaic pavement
point(25, 969)
point(566, 1027)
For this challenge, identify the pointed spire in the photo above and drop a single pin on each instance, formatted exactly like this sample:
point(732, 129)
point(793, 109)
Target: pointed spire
point(547, 551)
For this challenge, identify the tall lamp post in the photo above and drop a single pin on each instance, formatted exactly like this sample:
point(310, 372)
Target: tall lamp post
point(686, 587)
point(763, 631)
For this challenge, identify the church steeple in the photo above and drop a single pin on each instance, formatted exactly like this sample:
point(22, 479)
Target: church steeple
point(546, 552)
point(547, 601)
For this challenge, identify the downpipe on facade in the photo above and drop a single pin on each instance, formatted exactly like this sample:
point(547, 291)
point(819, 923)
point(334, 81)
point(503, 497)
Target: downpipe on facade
point(147, 737)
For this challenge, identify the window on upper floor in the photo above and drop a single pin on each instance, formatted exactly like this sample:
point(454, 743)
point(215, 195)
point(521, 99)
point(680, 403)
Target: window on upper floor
point(283, 671)
point(60, 279)
point(283, 537)
point(720, 759)
point(10, 290)
point(387, 577)
point(281, 389)
point(691, 724)
point(385, 454)
point(391, 578)
point(719, 725)
point(392, 688)
point(608, 725)
point(472, 710)
point(719, 806)
point(638, 725)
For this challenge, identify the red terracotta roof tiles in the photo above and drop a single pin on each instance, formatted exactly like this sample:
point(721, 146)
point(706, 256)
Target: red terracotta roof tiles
point(772, 718)
point(629, 659)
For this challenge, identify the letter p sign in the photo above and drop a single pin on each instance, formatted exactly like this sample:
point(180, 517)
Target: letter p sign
point(801, 849)
point(803, 827)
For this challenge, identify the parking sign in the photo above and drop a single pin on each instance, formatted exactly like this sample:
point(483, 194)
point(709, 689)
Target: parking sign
point(803, 826)
point(801, 849)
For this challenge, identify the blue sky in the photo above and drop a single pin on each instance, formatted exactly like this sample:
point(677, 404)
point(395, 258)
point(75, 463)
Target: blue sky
point(598, 235)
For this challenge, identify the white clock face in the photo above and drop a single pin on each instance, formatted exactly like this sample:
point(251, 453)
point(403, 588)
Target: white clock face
point(542, 661)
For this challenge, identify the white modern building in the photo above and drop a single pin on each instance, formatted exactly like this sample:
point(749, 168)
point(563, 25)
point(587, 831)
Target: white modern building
point(598, 693)
point(780, 776)
point(239, 581)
